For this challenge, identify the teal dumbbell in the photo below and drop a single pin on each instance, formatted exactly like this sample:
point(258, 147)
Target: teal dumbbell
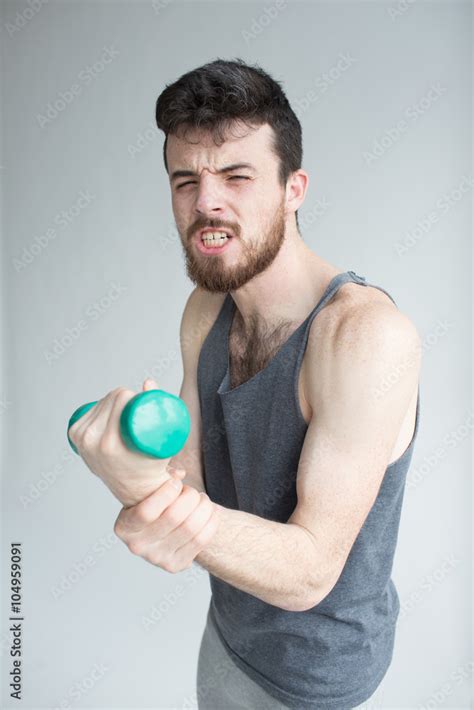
point(155, 423)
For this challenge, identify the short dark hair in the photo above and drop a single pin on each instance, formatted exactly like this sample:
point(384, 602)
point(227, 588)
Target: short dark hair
point(215, 94)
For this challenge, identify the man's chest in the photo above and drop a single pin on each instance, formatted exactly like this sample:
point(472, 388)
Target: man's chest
point(252, 352)
point(252, 348)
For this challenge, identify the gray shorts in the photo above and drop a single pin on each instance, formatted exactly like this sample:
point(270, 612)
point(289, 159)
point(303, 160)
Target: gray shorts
point(221, 685)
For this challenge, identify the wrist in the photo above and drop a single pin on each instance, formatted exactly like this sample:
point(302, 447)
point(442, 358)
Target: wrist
point(130, 496)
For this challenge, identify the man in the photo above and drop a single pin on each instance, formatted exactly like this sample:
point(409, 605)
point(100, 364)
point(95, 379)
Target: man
point(303, 427)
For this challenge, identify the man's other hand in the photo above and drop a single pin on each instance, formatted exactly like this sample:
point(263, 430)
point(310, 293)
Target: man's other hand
point(170, 527)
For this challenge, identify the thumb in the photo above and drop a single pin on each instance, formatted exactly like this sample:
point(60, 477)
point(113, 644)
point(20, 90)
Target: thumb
point(149, 384)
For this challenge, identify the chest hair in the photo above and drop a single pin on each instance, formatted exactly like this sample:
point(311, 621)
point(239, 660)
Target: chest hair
point(252, 347)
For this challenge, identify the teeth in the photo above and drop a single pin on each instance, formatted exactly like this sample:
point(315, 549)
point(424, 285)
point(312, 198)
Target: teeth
point(214, 238)
point(214, 235)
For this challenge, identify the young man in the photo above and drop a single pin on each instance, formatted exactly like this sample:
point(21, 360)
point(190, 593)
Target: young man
point(303, 427)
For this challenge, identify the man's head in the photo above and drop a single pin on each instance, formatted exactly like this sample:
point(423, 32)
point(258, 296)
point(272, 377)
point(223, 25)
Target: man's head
point(223, 115)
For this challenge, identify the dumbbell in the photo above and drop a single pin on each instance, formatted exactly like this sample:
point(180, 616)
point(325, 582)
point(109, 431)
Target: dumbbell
point(155, 423)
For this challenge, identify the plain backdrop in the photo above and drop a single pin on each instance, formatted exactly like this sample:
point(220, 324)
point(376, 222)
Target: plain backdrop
point(94, 285)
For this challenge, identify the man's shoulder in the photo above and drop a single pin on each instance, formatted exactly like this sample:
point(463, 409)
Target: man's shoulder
point(356, 312)
point(359, 323)
point(200, 313)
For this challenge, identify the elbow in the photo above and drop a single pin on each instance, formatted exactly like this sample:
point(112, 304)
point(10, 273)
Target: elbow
point(299, 602)
point(307, 603)
point(314, 594)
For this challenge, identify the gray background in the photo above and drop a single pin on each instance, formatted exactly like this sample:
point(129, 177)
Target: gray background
point(401, 219)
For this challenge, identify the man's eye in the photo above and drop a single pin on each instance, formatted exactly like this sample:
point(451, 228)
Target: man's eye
point(233, 177)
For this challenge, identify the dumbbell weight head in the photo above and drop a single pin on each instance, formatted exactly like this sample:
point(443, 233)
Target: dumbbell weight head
point(154, 423)
point(80, 411)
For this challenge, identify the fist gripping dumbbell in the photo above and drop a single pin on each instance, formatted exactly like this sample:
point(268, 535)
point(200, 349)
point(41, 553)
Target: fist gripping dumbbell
point(155, 423)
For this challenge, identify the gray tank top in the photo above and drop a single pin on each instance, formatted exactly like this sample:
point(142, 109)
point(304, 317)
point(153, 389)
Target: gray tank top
point(335, 654)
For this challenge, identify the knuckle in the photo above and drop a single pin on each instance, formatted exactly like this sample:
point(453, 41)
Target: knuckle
point(190, 526)
point(135, 547)
point(169, 566)
point(172, 517)
point(207, 505)
point(178, 512)
point(192, 495)
point(201, 538)
point(195, 520)
point(88, 438)
point(147, 557)
point(205, 509)
point(106, 445)
point(171, 490)
point(198, 520)
point(143, 514)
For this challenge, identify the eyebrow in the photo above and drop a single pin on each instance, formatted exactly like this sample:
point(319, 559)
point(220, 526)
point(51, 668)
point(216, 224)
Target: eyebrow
point(226, 169)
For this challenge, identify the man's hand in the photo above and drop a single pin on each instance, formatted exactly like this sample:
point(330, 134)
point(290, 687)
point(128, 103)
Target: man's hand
point(131, 476)
point(170, 527)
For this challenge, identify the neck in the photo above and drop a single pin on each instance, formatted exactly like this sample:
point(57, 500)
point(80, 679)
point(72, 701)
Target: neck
point(289, 288)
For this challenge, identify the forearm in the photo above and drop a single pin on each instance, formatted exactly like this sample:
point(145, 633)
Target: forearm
point(272, 561)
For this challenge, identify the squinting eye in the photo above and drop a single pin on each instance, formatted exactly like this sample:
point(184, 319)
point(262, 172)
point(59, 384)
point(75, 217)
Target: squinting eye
point(233, 177)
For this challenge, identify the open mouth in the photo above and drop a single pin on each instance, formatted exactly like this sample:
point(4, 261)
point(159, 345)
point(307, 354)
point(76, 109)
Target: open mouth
point(213, 241)
point(214, 238)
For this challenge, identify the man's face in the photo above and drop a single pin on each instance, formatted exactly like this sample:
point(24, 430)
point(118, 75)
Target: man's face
point(249, 202)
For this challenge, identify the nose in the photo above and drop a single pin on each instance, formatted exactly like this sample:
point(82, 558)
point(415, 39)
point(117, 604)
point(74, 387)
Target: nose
point(209, 198)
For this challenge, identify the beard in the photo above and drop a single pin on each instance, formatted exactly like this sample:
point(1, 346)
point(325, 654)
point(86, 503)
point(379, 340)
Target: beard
point(211, 272)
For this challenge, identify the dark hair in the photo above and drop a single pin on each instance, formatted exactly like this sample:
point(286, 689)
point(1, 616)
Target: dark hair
point(216, 94)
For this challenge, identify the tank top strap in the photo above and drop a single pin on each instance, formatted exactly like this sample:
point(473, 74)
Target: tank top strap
point(333, 287)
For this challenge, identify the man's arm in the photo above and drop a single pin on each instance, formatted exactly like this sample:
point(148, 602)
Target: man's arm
point(355, 426)
point(345, 453)
point(271, 561)
point(196, 321)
